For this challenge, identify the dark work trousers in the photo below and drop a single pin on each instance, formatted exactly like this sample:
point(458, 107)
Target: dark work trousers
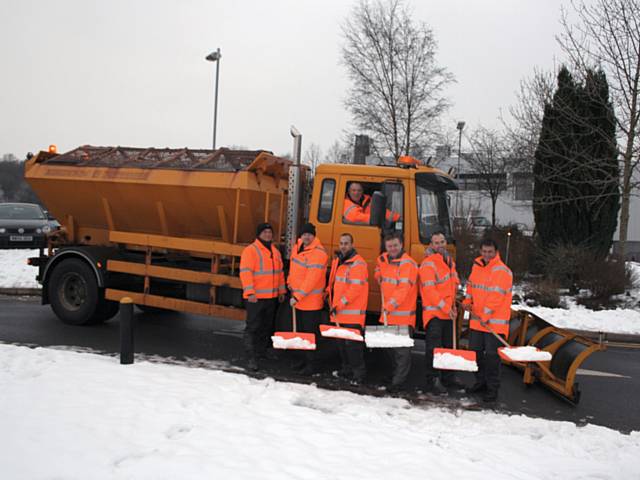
point(309, 322)
point(352, 354)
point(259, 326)
point(439, 334)
point(486, 347)
point(400, 364)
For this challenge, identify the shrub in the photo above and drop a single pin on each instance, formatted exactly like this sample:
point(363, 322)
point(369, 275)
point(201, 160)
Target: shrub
point(544, 292)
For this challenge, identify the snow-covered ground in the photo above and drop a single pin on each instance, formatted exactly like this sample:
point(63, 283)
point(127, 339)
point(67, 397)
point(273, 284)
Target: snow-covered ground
point(14, 271)
point(76, 415)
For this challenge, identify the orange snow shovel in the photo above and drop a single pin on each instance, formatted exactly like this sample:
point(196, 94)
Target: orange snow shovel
point(517, 354)
point(454, 358)
point(336, 331)
point(294, 340)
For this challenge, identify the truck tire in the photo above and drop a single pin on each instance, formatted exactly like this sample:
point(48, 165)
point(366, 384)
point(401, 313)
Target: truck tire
point(74, 293)
point(107, 309)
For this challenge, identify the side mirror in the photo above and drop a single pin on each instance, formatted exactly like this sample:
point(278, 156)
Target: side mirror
point(378, 209)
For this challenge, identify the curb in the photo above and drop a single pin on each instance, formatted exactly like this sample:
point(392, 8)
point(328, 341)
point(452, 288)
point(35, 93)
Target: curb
point(35, 292)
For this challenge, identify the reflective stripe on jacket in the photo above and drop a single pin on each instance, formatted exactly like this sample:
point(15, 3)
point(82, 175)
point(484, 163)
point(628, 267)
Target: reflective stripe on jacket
point(261, 272)
point(399, 287)
point(489, 294)
point(308, 275)
point(349, 290)
point(438, 283)
point(361, 213)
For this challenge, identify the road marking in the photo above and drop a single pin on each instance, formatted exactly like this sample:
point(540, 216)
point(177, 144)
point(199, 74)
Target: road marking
point(596, 373)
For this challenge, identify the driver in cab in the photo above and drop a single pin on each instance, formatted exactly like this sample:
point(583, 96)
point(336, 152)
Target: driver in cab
point(357, 207)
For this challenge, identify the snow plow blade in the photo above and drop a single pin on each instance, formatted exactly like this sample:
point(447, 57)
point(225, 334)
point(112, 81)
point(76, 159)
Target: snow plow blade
point(568, 351)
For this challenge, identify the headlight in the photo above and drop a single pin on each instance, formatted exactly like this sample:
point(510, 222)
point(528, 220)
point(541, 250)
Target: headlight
point(38, 230)
point(46, 229)
point(3, 230)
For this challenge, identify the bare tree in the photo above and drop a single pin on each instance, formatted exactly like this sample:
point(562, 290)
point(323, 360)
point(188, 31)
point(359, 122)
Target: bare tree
point(338, 152)
point(607, 36)
point(489, 164)
point(313, 156)
point(396, 85)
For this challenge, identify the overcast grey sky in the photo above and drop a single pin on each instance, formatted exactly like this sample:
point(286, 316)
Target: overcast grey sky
point(133, 73)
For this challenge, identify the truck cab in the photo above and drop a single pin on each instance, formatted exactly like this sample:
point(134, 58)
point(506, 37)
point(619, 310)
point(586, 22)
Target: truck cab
point(417, 193)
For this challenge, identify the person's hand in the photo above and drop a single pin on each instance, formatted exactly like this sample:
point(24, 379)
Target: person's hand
point(281, 298)
point(252, 298)
point(325, 294)
point(466, 307)
point(453, 313)
point(333, 311)
point(293, 301)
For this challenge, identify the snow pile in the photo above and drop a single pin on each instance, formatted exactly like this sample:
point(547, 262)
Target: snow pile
point(343, 333)
point(526, 354)
point(448, 361)
point(577, 317)
point(76, 415)
point(14, 271)
point(295, 343)
point(385, 339)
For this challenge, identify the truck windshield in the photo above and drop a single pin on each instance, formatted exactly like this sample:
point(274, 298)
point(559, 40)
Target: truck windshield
point(433, 213)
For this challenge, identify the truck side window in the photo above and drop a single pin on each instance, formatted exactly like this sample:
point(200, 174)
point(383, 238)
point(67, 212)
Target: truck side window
point(326, 200)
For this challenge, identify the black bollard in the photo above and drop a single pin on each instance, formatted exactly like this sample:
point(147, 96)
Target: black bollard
point(126, 331)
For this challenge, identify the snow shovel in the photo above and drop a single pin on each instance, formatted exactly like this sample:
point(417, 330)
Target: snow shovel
point(387, 336)
point(453, 358)
point(343, 333)
point(517, 354)
point(294, 340)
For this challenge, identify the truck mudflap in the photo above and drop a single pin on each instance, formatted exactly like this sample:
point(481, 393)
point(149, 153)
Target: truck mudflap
point(569, 350)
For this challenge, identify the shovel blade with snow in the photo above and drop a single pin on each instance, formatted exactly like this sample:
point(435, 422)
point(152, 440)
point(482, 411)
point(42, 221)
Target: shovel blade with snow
point(343, 333)
point(524, 354)
point(387, 336)
point(294, 340)
point(454, 359)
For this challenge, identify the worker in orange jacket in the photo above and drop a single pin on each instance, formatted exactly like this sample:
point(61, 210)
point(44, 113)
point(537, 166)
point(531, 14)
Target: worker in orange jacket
point(397, 274)
point(307, 283)
point(488, 298)
point(357, 207)
point(262, 278)
point(438, 284)
point(348, 293)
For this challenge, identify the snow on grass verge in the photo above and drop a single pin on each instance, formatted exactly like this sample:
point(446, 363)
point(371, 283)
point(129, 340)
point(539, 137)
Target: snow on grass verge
point(77, 415)
point(14, 271)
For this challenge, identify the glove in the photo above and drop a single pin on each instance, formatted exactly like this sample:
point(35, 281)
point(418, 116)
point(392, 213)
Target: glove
point(333, 311)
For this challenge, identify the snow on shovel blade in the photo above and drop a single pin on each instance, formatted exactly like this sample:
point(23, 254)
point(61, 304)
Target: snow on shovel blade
point(387, 337)
point(294, 341)
point(344, 333)
point(524, 354)
point(450, 359)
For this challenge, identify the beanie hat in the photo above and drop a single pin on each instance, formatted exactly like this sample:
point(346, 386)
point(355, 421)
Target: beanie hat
point(308, 228)
point(263, 226)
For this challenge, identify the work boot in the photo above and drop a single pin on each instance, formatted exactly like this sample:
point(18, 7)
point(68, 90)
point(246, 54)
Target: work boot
point(490, 396)
point(434, 385)
point(345, 373)
point(252, 364)
point(394, 388)
point(477, 387)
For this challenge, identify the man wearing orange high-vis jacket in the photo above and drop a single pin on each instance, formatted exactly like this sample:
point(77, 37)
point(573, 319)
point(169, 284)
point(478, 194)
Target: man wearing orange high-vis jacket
point(348, 292)
point(397, 274)
point(357, 207)
point(262, 278)
point(307, 282)
point(438, 284)
point(489, 301)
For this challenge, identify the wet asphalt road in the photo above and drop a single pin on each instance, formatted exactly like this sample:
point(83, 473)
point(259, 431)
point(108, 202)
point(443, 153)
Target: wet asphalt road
point(609, 381)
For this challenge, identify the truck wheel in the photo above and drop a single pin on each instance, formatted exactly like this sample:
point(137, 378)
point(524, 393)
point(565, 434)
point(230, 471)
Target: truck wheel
point(105, 311)
point(73, 292)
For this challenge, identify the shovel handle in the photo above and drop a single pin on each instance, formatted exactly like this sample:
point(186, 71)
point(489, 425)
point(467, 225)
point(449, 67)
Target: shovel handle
point(488, 327)
point(384, 312)
point(295, 323)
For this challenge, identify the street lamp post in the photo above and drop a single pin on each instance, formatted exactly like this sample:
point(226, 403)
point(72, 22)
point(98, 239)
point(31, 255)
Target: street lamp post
point(460, 126)
point(215, 57)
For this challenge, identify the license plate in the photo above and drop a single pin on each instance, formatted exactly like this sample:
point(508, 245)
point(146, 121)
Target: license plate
point(21, 238)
